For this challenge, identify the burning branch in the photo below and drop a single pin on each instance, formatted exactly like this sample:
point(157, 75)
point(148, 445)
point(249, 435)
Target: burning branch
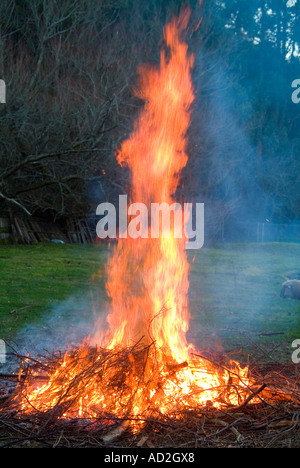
point(255, 421)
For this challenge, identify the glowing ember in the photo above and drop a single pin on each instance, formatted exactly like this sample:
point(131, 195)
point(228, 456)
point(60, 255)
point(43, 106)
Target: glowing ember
point(145, 366)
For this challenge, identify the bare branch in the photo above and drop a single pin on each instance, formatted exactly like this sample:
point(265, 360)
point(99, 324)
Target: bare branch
point(15, 202)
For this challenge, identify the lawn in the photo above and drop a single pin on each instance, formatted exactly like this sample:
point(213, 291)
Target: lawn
point(234, 293)
point(36, 279)
point(235, 299)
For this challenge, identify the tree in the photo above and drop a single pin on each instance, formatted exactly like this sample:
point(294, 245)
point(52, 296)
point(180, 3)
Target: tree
point(245, 131)
point(69, 68)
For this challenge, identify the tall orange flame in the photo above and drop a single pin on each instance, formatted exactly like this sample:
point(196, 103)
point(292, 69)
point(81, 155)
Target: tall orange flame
point(148, 278)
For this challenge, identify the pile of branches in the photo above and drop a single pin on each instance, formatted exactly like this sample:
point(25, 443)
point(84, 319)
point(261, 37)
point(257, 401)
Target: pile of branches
point(267, 417)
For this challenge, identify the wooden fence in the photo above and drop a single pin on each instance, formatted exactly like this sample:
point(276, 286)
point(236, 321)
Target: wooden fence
point(30, 231)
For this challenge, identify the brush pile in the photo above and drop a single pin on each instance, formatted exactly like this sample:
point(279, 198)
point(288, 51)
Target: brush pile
point(30, 415)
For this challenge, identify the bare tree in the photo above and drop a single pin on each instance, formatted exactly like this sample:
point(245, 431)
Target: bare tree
point(70, 69)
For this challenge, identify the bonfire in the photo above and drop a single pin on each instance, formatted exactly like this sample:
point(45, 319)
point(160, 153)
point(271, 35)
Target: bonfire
point(143, 375)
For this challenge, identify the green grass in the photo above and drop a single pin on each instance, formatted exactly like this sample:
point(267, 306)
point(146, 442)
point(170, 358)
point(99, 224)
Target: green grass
point(235, 298)
point(234, 291)
point(35, 278)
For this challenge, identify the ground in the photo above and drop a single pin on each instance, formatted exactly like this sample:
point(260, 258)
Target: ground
point(35, 280)
point(50, 293)
point(234, 293)
point(235, 298)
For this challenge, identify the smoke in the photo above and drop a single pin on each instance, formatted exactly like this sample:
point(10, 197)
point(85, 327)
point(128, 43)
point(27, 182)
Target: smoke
point(225, 173)
point(235, 290)
point(64, 326)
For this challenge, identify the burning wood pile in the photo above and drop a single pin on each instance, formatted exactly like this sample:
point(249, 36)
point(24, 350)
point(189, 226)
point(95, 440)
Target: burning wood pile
point(125, 397)
point(143, 384)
